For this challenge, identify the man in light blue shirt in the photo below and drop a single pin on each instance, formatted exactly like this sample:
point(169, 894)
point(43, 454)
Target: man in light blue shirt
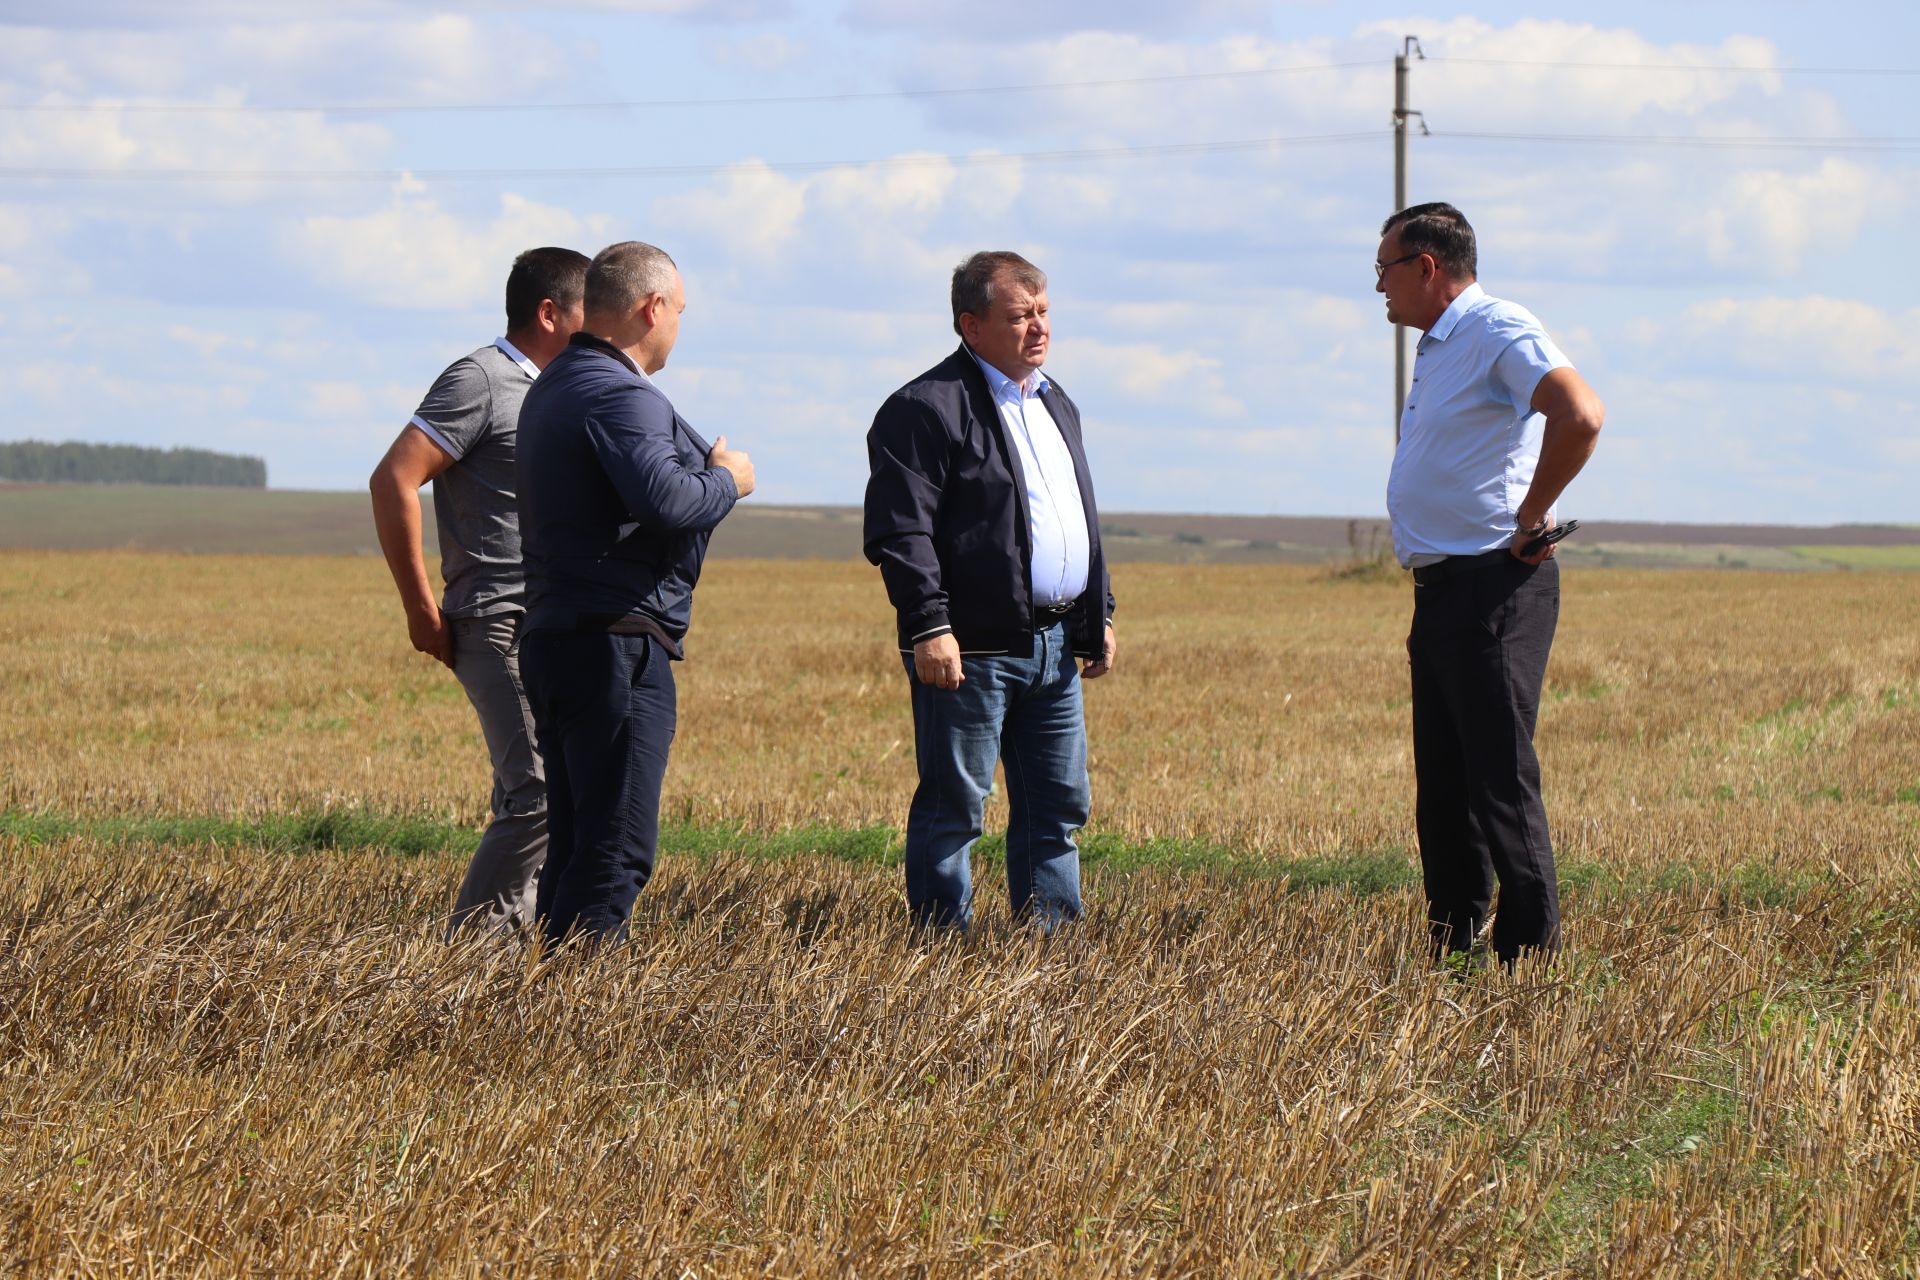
point(1496, 424)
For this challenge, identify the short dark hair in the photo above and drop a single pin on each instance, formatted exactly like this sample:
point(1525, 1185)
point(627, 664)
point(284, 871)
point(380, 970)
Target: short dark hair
point(973, 281)
point(1440, 230)
point(625, 274)
point(539, 274)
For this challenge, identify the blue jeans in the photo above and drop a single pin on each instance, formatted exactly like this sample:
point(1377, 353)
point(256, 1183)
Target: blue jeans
point(604, 711)
point(1025, 711)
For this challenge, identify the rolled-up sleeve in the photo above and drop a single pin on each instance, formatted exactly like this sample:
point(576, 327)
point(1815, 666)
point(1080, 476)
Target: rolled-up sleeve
point(632, 432)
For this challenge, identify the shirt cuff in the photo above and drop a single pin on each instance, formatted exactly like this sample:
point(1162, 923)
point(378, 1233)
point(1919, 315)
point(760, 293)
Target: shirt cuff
point(427, 429)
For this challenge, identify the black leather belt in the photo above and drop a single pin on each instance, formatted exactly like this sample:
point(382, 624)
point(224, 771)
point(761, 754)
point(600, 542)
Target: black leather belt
point(1045, 615)
point(1432, 575)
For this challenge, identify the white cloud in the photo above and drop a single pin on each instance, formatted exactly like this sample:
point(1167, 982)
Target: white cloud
point(33, 240)
point(876, 214)
point(1524, 76)
point(1130, 87)
point(750, 207)
point(1807, 339)
point(762, 53)
point(206, 343)
point(336, 400)
point(989, 21)
point(324, 61)
point(1186, 380)
point(115, 139)
point(16, 229)
point(1769, 218)
point(914, 184)
point(129, 399)
point(143, 15)
point(1137, 84)
point(414, 254)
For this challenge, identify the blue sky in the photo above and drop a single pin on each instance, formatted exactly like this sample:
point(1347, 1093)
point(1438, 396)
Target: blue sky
point(1748, 312)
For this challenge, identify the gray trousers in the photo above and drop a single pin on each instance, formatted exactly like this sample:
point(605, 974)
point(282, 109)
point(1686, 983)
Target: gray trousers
point(499, 888)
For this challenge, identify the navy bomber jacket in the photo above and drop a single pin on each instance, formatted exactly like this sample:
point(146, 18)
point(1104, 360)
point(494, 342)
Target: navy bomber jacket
point(946, 516)
point(616, 498)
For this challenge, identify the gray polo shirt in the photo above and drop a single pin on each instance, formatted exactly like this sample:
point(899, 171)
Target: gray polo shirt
point(473, 412)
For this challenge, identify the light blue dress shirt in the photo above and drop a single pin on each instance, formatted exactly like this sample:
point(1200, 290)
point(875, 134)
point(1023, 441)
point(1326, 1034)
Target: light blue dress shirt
point(1056, 517)
point(1469, 438)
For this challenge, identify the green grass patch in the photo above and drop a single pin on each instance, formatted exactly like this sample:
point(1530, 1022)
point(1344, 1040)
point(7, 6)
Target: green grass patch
point(1902, 557)
point(1364, 871)
point(1784, 716)
point(1591, 691)
point(289, 833)
point(1756, 884)
point(1797, 725)
point(1620, 1160)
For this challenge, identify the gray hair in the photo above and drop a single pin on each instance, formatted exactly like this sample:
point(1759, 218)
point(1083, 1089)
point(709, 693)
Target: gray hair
point(973, 282)
point(623, 275)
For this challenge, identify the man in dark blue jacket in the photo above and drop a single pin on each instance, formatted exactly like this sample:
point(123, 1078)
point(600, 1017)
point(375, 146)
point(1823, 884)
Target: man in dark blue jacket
point(980, 514)
point(618, 496)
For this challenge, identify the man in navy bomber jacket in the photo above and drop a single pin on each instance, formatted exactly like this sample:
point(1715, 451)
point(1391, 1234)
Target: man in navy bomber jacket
point(980, 513)
point(618, 496)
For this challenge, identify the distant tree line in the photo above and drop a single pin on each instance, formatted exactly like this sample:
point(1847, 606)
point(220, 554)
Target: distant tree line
point(72, 463)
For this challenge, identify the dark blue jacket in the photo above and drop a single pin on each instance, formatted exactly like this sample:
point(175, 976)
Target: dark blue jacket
point(946, 516)
point(616, 498)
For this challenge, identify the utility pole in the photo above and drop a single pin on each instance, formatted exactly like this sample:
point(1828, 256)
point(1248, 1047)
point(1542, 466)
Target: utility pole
point(1401, 113)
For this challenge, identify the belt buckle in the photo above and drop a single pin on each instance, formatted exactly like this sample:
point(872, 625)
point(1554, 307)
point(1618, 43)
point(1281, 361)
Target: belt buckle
point(1045, 615)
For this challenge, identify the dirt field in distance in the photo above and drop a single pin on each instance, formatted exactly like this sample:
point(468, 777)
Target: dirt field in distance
point(296, 522)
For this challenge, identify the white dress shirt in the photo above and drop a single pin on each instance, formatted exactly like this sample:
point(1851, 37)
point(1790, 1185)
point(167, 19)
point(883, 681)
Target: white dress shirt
point(1056, 516)
point(1469, 438)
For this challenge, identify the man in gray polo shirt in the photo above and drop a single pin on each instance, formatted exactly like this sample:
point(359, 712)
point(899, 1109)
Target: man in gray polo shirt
point(462, 439)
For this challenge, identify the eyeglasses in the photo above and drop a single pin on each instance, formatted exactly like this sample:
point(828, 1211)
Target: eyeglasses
point(1380, 268)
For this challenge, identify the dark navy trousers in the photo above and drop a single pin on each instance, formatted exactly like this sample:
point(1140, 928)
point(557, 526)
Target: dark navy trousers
point(604, 713)
point(1479, 649)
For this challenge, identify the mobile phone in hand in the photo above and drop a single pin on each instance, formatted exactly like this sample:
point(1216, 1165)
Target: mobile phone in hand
point(1550, 537)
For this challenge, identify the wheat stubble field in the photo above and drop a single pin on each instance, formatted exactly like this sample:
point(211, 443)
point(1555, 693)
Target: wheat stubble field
point(233, 806)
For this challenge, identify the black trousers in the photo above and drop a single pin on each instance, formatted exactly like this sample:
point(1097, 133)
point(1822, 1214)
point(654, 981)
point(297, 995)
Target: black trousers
point(604, 711)
point(1479, 649)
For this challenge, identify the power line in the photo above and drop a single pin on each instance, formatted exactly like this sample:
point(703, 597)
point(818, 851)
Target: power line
point(1882, 143)
point(688, 170)
point(1683, 66)
point(655, 104)
point(784, 100)
point(1813, 143)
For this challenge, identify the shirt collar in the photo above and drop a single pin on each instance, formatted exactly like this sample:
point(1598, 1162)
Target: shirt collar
point(594, 343)
point(513, 353)
point(1003, 387)
point(1456, 311)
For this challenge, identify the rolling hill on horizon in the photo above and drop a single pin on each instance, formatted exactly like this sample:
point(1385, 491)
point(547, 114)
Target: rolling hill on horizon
point(206, 520)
